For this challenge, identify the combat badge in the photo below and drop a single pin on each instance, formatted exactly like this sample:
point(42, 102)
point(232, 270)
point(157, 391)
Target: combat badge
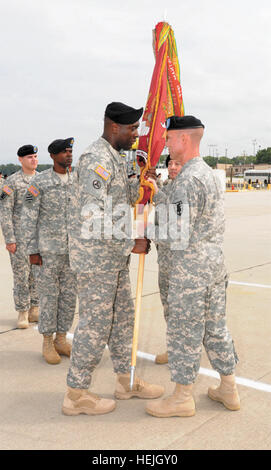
point(179, 207)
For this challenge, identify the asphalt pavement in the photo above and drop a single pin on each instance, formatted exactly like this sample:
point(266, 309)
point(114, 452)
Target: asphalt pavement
point(31, 391)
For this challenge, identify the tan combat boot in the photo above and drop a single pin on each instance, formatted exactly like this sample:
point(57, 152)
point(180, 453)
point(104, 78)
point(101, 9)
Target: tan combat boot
point(181, 403)
point(61, 344)
point(80, 401)
point(162, 358)
point(141, 389)
point(23, 320)
point(48, 350)
point(33, 315)
point(226, 393)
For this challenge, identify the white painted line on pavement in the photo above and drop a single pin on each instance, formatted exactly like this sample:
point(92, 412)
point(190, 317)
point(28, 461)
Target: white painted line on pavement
point(240, 380)
point(148, 356)
point(250, 284)
point(211, 373)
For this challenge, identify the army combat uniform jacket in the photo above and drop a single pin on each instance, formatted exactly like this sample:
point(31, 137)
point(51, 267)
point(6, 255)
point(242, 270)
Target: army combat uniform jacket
point(45, 216)
point(102, 195)
point(197, 200)
point(11, 200)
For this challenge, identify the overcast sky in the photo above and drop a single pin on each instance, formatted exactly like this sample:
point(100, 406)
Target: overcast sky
point(63, 61)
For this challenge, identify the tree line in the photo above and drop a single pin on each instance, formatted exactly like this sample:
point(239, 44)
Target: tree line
point(11, 168)
point(262, 156)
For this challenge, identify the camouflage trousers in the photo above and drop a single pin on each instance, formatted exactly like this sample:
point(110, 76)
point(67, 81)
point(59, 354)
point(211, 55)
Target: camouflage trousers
point(106, 315)
point(24, 289)
point(57, 291)
point(198, 316)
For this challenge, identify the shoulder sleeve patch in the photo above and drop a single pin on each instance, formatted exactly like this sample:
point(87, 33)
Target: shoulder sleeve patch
point(101, 171)
point(7, 190)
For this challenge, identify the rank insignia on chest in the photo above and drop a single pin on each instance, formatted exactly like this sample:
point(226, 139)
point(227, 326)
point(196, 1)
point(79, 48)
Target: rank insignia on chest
point(7, 190)
point(101, 171)
point(34, 191)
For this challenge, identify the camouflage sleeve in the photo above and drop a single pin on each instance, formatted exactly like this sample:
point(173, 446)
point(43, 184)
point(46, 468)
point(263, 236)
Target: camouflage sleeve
point(7, 198)
point(29, 218)
point(159, 183)
point(160, 197)
point(133, 186)
point(165, 190)
point(91, 180)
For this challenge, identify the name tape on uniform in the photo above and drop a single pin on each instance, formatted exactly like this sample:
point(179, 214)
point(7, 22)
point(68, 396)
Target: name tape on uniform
point(101, 171)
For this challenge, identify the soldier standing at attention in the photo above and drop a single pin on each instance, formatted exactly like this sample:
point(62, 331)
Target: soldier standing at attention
point(106, 310)
point(45, 220)
point(198, 279)
point(11, 202)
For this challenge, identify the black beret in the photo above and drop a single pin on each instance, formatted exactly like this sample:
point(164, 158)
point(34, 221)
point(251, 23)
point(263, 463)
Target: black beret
point(184, 122)
point(60, 145)
point(122, 114)
point(27, 150)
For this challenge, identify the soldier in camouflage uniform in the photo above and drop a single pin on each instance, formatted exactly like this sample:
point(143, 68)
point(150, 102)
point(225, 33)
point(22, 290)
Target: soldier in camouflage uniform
point(45, 220)
point(101, 260)
point(164, 253)
point(198, 278)
point(11, 201)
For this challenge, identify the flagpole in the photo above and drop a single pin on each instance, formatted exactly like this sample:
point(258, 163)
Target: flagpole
point(164, 99)
point(140, 275)
point(142, 257)
point(139, 288)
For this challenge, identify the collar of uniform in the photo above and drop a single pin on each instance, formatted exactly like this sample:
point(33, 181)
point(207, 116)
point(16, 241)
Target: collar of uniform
point(114, 152)
point(190, 163)
point(57, 180)
point(187, 165)
point(25, 176)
